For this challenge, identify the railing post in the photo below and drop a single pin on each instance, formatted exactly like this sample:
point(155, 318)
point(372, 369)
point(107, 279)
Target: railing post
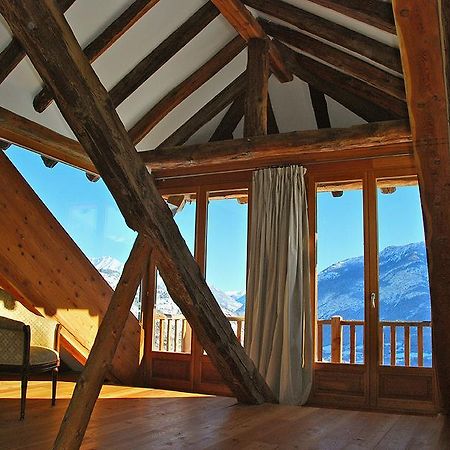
point(239, 330)
point(336, 339)
point(187, 337)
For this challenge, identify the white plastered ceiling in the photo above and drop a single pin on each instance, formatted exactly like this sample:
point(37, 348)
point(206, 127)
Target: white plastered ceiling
point(291, 101)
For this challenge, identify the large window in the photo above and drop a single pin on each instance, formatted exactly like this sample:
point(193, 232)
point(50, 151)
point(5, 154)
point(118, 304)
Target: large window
point(171, 331)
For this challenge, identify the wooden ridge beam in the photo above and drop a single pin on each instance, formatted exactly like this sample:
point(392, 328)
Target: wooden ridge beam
point(331, 32)
point(32, 136)
point(206, 113)
point(257, 88)
point(178, 94)
point(364, 100)
point(163, 53)
point(229, 121)
point(423, 36)
point(89, 383)
point(306, 146)
point(13, 53)
point(103, 42)
point(248, 27)
point(85, 105)
point(344, 62)
point(372, 12)
point(320, 107)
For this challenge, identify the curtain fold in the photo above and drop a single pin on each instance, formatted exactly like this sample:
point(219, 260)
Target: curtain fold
point(278, 329)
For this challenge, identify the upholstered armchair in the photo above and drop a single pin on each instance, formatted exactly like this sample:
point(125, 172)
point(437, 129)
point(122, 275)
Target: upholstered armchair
point(28, 344)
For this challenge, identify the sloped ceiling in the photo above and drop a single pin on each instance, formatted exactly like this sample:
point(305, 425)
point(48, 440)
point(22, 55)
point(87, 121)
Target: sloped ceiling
point(291, 101)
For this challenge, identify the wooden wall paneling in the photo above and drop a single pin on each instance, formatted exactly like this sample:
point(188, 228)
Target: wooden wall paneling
point(86, 106)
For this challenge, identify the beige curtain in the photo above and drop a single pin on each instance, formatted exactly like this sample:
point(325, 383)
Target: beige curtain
point(278, 329)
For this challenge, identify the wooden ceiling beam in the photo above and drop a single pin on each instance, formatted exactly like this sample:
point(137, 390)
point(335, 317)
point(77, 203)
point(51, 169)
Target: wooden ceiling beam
point(320, 107)
point(163, 53)
point(229, 121)
point(207, 112)
point(363, 140)
point(272, 125)
point(331, 32)
point(13, 53)
point(248, 27)
point(423, 31)
point(84, 103)
point(257, 88)
point(103, 42)
point(37, 138)
point(375, 13)
point(364, 100)
point(344, 62)
point(187, 87)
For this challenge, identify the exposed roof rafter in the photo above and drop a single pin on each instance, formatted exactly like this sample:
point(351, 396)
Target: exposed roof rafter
point(331, 32)
point(103, 42)
point(248, 27)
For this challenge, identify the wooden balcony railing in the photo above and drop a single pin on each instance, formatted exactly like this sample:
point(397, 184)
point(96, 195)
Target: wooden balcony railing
point(172, 333)
point(338, 328)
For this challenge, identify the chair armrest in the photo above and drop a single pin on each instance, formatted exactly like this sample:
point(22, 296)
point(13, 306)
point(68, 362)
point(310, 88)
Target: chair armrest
point(14, 342)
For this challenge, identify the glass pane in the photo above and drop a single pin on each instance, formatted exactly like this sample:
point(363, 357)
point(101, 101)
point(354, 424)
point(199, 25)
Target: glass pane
point(171, 332)
point(86, 210)
point(340, 281)
point(404, 296)
point(226, 263)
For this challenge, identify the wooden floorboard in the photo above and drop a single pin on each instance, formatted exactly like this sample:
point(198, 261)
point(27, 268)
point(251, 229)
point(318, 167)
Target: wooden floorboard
point(137, 418)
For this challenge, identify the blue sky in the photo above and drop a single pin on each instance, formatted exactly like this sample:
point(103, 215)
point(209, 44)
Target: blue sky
point(90, 215)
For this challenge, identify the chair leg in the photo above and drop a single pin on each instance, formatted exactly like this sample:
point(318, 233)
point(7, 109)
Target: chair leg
point(54, 382)
point(23, 396)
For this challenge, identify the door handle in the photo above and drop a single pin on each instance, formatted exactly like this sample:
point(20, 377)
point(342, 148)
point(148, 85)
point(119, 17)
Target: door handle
point(373, 298)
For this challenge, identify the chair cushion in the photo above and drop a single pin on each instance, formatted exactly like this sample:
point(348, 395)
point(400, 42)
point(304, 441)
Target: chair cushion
point(42, 355)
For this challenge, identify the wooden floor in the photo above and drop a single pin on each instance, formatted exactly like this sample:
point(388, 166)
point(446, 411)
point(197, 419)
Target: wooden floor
point(132, 418)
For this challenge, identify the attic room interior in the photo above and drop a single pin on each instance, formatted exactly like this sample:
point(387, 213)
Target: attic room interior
point(225, 224)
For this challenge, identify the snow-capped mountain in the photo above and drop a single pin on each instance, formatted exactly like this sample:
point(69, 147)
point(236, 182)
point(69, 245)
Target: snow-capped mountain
point(404, 293)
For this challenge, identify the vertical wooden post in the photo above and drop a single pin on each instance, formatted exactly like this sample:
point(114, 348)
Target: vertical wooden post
point(187, 337)
point(420, 345)
point(407, 344)
point(91, 379)
point(319, 341)
point(255, 117)
point(352, 343)
point(336, 339)
point(393, 345)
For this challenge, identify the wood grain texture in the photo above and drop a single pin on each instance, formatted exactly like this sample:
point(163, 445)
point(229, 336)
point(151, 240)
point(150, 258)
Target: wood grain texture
point(422, 37)
point(103, 42)
point(257, 88)
point(28, 134)
point(145, 124)
point(248, 27)
point(229, 121)
point(46, 268)
point(307, 145)
point(136, 418)
point(13, 53)
point(86, 106)
point(89, 383)
point(163, 52)
point(364, 100)
point(348, 64)
point(320, 107)
point(331, 32)
point(375, 13)
point(206, 113)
